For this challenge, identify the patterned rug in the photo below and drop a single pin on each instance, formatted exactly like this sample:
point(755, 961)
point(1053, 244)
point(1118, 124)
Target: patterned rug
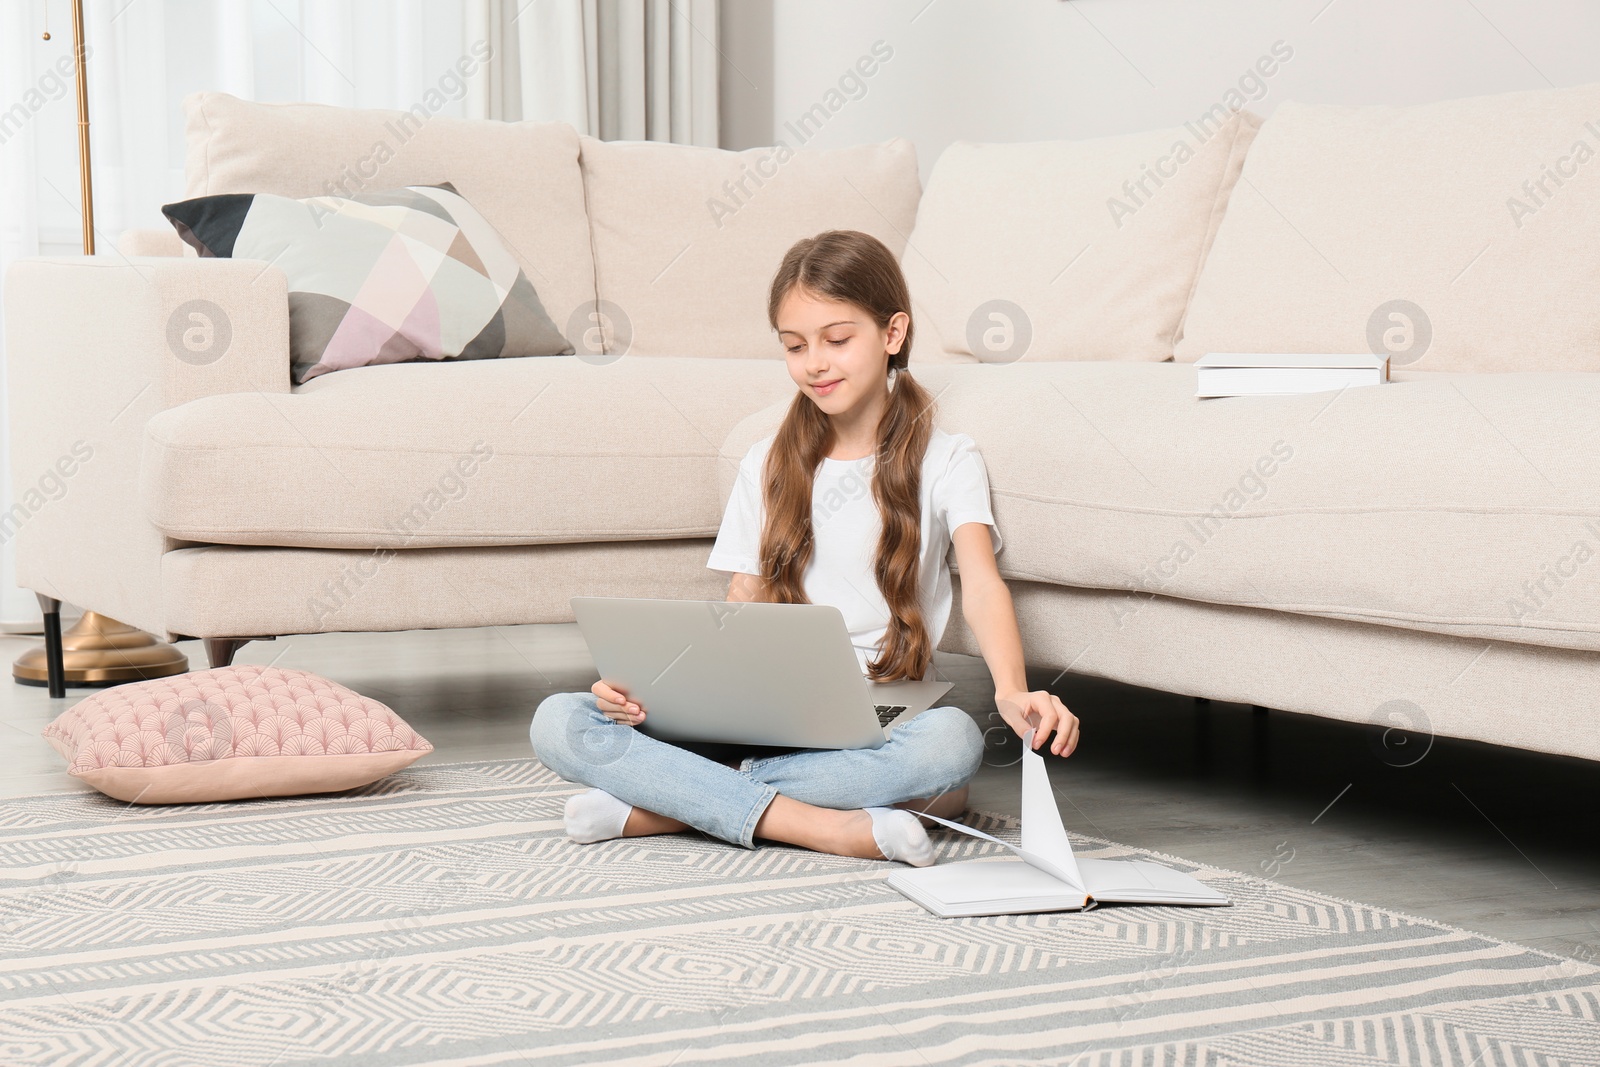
point(442, 917)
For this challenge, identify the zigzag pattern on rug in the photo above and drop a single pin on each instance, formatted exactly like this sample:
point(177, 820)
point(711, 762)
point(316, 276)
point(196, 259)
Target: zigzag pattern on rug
point(441, 916)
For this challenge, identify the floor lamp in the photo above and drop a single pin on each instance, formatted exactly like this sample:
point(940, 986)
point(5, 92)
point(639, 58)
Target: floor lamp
point(98, 650)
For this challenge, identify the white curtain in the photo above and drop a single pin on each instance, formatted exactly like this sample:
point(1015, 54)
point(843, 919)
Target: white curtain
point(634, 70)
point(615, 69)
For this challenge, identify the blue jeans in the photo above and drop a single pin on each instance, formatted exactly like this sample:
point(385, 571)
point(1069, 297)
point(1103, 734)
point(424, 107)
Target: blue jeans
point(934, 753)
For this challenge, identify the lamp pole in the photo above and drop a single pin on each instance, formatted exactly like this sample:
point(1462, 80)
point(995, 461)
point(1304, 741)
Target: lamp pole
point(82, 76)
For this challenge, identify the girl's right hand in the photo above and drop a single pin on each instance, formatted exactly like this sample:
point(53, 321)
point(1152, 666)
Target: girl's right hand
point(616, 706)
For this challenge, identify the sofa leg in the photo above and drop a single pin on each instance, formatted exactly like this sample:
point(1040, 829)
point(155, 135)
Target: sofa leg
point(221, 650)
point(55, 669)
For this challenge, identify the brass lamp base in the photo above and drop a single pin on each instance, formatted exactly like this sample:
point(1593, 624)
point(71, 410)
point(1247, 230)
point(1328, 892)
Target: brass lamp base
point(100, 651)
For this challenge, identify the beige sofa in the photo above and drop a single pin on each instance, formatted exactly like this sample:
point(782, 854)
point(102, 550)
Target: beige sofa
point(1415, 554)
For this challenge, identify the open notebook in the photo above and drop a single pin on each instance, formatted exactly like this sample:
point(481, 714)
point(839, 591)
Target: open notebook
point(1046, 876)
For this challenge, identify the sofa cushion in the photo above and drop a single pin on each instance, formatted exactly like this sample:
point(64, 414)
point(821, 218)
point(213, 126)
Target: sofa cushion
point(1456, 503)
point(1068, 249)
point(489, 452)
point(686, 239)
point(389, 276)
point(1456, 236)
point(231, 733)
point(522, 176)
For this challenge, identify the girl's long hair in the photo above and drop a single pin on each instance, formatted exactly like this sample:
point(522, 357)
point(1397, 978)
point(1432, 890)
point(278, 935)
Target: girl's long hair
point(856, 268)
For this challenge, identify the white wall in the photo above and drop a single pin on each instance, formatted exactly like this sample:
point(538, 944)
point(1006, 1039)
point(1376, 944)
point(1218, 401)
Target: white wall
point(1018, 70)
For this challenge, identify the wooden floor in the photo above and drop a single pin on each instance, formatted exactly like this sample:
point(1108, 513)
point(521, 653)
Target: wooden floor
point(1500, 841)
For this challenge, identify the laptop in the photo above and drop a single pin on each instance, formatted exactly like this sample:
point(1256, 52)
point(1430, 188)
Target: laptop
point(772, 675)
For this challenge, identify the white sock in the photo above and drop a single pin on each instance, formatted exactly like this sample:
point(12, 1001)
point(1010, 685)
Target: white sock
point(900, 836)
point(595, 816)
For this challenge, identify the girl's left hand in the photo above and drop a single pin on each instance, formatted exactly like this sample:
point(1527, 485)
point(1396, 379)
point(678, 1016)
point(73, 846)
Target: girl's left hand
point(1042, 712)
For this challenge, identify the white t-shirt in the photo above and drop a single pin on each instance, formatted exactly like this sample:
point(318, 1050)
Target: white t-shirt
point(846, 526)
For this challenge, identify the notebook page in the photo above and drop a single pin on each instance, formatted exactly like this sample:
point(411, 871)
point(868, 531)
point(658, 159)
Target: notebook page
point(1046, 846)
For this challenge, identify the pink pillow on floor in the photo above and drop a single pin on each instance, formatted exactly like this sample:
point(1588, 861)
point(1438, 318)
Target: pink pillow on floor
point(230, 733)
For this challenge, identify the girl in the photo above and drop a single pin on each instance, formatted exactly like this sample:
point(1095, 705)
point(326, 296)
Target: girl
point(854, 502)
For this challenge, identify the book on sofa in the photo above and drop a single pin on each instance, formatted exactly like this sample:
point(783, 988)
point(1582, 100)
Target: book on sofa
point(1271, 373)
point(1045, 876)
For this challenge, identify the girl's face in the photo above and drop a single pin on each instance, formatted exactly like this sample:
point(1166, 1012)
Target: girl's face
point(837, 354)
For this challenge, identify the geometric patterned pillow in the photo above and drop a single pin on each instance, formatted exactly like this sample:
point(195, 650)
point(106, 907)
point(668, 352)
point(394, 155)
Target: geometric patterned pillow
point(231, 733)
point(389, 276)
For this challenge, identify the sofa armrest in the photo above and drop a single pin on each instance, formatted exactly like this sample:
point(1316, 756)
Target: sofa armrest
point(186, 327)
point(94, 348)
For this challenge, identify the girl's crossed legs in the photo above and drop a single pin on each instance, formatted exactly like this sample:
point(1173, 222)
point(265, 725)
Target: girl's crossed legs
point(812, 797)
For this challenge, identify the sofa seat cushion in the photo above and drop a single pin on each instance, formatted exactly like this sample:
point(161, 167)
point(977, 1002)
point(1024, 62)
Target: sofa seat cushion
point(489, 452)
point(1455, 503)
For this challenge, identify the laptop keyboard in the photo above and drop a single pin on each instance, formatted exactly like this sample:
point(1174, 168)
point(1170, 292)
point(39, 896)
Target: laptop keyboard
point(887, 713)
